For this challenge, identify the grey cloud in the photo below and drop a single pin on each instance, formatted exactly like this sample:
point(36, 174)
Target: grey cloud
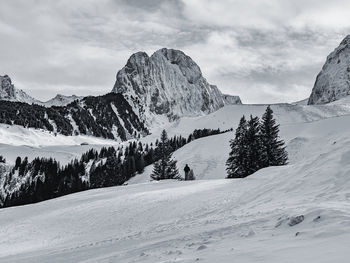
point(78, 46)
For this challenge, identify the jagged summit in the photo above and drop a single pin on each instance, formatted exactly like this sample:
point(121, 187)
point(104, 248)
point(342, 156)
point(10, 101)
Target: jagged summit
point(9, 92)
point(167, 83)
point(333, 82)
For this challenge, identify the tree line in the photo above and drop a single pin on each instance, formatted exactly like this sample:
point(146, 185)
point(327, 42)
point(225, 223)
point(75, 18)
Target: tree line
point(256, 145)
point(44, 178)
point(93, 115)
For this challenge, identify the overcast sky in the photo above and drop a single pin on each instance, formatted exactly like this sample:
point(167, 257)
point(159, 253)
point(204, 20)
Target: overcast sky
point(262, 50)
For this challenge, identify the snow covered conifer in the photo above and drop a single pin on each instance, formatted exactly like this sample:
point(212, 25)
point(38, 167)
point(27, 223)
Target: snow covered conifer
point(237, 161)
point(254, 145)
point(274, 152)
point(165, 167)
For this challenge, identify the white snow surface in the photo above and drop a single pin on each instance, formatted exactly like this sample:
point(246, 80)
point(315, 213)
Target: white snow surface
point(211, 219)
point(19, 141)
point(221, 220)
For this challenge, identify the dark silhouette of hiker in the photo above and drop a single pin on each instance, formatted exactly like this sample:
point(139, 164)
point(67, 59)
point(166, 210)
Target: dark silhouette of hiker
point(187, 170)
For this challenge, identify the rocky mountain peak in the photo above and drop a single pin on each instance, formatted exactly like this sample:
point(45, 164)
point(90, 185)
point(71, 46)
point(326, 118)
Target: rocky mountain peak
point(333, 82)
point(346, 40)
point(188, 67)
point(5, 81)
point(167, 83)
point(9, 92)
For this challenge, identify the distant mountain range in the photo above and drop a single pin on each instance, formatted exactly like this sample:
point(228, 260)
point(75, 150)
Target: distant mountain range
point(167, 83)
point(10, 93)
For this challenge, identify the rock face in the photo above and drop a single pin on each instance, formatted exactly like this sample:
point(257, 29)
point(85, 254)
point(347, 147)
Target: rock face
point(231, 100)
point(333, 82)
point(10, 93)
point(167, 83)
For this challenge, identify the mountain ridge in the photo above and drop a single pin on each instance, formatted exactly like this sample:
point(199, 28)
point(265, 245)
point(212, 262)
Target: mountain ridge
point(9, 92)
point(109, 116)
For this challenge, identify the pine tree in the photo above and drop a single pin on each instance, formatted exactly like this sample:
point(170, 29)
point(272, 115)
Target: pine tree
point(18, 162)
point(140, 162)
point(165, 167)
point(254, 145)
point(237, 161)
point(274, 152)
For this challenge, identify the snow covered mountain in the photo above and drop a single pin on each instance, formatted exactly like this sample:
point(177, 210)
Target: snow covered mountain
point(333, 82)
point(9, 92)
point(61, 100)
point(167, 83)
point(231, 100)
point(108, 116)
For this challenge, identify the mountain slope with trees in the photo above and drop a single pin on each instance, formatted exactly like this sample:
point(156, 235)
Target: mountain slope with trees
point(109, 116)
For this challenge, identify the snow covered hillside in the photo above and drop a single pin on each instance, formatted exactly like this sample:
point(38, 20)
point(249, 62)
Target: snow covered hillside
point(304, 140)
point(295, 213)
point(18, 141)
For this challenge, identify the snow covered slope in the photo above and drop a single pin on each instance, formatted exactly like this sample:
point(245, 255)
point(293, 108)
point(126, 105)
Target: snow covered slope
point(305, 141)
point(333, 82)
point(18, 141)
point(295, 213)
point(228, 116)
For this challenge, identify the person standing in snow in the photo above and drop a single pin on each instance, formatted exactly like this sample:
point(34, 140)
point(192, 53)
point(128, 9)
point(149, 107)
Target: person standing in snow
point(187, 170)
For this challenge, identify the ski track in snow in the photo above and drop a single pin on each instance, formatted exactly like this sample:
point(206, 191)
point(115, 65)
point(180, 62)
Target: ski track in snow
point(216, 220)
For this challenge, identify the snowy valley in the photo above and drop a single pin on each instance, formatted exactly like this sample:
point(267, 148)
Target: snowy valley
point(299, 212)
